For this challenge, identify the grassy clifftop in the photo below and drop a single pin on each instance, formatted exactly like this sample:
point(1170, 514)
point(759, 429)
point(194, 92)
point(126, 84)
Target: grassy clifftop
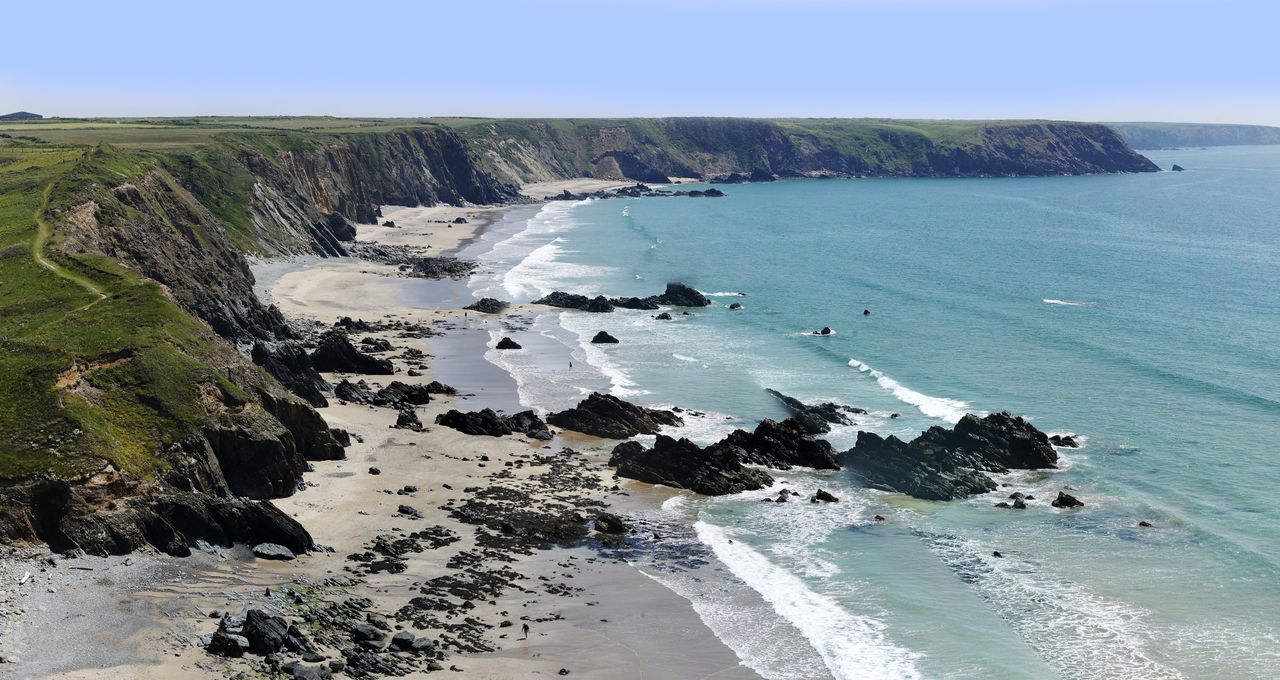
point(648, 148)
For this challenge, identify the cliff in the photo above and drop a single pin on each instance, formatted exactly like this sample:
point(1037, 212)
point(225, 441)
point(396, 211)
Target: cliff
point(1168, 135)
point(129, 410)
point(651, 150)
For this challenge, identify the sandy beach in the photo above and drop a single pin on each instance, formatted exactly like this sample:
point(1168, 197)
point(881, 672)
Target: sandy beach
point(590, 614)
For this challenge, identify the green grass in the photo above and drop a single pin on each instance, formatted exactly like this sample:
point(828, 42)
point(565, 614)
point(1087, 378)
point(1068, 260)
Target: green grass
point(54, 320)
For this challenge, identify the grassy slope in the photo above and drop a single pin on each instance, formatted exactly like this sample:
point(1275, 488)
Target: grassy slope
point(53, 321)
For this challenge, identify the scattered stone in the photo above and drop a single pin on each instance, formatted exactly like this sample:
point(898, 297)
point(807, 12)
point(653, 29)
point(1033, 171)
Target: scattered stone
point(1066, 500)
point(272, 551)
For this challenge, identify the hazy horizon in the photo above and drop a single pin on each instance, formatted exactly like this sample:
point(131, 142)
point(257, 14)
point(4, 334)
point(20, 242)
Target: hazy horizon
point(1178, 61)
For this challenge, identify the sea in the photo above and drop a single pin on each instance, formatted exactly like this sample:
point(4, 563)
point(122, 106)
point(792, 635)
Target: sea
point(1140, 313)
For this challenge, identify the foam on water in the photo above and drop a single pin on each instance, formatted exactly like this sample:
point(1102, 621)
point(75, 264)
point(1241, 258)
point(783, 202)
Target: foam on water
point(1078, 632)
point(851, 646)
point(1068, 303)
point(950, 410)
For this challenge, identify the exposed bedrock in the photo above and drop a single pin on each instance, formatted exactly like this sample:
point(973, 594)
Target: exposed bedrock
point(681, 464)
point(489, 422)
point(604, 415)
point(817, 418)
point(675, 295)
point(336, 354)
point(781, 446)
point(942, 464)
point(289, 363)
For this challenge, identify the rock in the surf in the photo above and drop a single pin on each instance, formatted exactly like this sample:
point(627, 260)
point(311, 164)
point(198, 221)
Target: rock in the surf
point(1066, 500)
point(603, 338)
point(826, 330)
point(822, 496)
point(681, 464)
point(607, 416)
point(891, 464)
point(663, 317)
point(680, 295)
point(507, 343)
point(817, 418)
point(997, 443)
point(1064, 440)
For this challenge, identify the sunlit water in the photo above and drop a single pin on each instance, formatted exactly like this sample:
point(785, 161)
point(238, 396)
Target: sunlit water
point(1140, 311)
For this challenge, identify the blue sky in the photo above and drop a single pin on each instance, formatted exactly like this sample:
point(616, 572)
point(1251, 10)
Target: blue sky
point(1179, 60)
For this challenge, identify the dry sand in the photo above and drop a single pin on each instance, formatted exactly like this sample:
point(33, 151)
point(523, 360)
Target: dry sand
point(142, 616)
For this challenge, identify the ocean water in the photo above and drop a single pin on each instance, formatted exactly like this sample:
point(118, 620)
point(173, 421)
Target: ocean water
point(1141, 312)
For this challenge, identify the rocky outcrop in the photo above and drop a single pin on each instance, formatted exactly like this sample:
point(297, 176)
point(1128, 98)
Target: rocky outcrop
point(997, 443)
point(603, 338)
point(606, 416)
point(817, 418)
point(335, 354)
point(780, 446)
point(942, 464)
point(676, 295)
point(289, 363)
point(488, 306)
point(488, 422)
point(890, 464)
point(60, 516)
point(681, 464)
point(507, 343)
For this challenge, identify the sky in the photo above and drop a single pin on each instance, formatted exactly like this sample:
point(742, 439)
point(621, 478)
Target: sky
point(1116, 60)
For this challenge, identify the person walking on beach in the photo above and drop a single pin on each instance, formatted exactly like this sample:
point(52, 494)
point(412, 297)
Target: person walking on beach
point(525, 628)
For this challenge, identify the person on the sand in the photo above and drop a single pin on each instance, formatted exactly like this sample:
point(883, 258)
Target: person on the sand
point(525, 628)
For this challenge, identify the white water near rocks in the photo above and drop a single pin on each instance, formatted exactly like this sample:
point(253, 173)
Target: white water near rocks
point(1144, 325)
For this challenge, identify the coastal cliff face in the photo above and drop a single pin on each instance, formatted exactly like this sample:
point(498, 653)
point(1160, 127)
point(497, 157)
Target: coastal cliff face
point(652, 150)
point(132, 413)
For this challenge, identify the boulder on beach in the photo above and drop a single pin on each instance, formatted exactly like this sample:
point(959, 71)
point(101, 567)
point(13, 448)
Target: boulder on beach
point(400, 394)
point(491, 423)
point(407, 419)
point(336, 354)
point(603, 338)
point(488, 305)
point(272, 551)
point(507, 343)
point(604, 415)
point(681, 464)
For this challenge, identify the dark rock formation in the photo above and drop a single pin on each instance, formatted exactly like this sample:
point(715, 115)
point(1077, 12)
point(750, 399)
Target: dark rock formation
point(598, 304)
point(507, 343)
point(288, 362)
point(437, 387)
point(648, 303)
point(826, 330)
point(172, 522)
point(484, 422)
point(818, 418)
point(1064, 440)
point(336, 354)
point(488, 306)
point(564, 300)
point(272, 551)
point(355, 392)
point(375, 344)
point(407, 419)
point(681, 464)
point(665, 316)
point(735, 305)
point(1066, 500)
point(780, 446)
point(997, 443)
point(440, 267)
point(680, 295)
point(340, 227)
point(603, 338)
point(609, 523)
point(929, 473)
point(488, 422)
point(607, 416)
point(400, 394)
point(942, 464)
point(821, 496)
point(1177, 168)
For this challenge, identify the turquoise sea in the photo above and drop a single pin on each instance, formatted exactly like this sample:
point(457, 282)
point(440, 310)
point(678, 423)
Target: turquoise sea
point(1141, 312)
